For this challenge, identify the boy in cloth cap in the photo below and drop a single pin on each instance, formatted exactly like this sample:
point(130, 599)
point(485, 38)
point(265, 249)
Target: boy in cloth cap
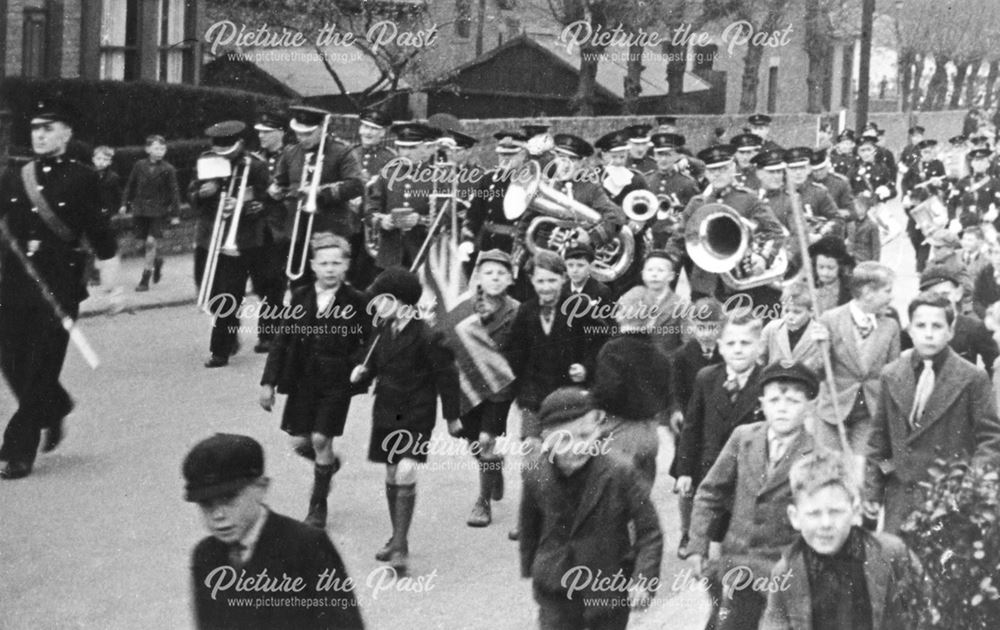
point(585, 515)
point(224, 475)
point(750, 480)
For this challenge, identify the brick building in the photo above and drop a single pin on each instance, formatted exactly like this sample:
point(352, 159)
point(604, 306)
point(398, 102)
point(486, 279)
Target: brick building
point(126, 40)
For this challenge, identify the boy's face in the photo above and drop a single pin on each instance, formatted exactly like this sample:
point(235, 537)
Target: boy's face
point(947, 290)
point(572, 444)
point(706, 333)
point(971, 242)
point(494, 278)
point(657, 273)
point(101, 161)
point(615, 158)
point(798, 174)
point(824, 518)
point(547, 285)
point(929, 330)
point(785, 406)
point(795, 315)
point(156, 151)
point(230, 517)
point(739, 347)
point(330, 266)
point(827, 269)
point(578, 270)
point(876, 298)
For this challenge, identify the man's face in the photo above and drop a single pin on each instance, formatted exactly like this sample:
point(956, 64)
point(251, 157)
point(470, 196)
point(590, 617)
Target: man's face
point(270, 140)
point(230, 517)
point(761, 130)
point(570, 445)
point(664, 158)
point(824, 518)
point(916, 139)
point(615, 158)
point(785, 407)
point(508, 161)
point(309, 139)
point(979, 165)
point(494, 277)
point(720, 176)
point(827, 269)
point(845, 147)
point(566, 166)
point(330, 266)
point(657, 273)
point(739, 347)
point(638, 149)
point(867, 152)
point(547, 285)
point(798, 174)
point(929, 330)
point(744, 155)
point(820, 172)
point(156, 151)
point(578, 270)
point(928, 153)
point(771, 179)
point(50, 138)
point(370, 135)
point(409, 153)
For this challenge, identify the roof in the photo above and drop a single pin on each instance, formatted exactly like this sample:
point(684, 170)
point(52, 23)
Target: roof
point(302, 70)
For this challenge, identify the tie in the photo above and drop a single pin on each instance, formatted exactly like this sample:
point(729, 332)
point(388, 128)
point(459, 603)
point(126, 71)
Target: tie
point(236, 550)
point(865, 328)
point(732, 385)
point(925, 386)
point(707, 353)
point(777, 449)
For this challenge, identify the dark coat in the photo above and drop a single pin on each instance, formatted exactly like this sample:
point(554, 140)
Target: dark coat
point(340, 181)
point(413, 369)
point(253, 219)
point(632, 378)
point(410, 188)
point(889, 567)
point(710, 419)
point(960, 420)
point(739, 483)
point(599, 539)
point(687, 362)
point(285, 547)
point(333, 345)
point(541, 362)
point(152, 189)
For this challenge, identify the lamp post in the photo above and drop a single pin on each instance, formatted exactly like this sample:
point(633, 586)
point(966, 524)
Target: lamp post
point(864, 65)
point(899, 58)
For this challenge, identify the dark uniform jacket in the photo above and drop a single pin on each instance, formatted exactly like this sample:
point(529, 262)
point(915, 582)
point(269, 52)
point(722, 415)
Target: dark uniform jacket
point(257, 204)
point(557, 535)
point(340, 182)
point(277, 213)
point(843, 163)
point(592, 195)
point(973, 197)
point(866, 178)
point(485, 223)
point(687, 361)
point(73, 192)
point(413, 369)
point(411, 188)
point(371, 159)
point(644, 165)
point(285, 547)
point(839, 189)
point(747, 177)
point(679, 189)
point(919, 173)
point(638, 183)
point(333, 345)
point(111, 191)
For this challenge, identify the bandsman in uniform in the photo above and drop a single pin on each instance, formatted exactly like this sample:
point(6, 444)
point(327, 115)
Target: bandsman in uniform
point(46, 206)
point(821, 212)
point(771, 168)
point(372, 154)
point(340, 180)
point(486, 227)
point(760, 126)
point(639, 159)
point(398, 203)
point(836, 185)
point(747, 145)
point(672, 186)
point(954, 159)
point(769, 234)
point(924, 178)
point(618, 179)
point(882, 155)
point(249, 261)
point(843, 156)
point(976, 197)
point(692, 166)
point(911, 153)
point(271, 128)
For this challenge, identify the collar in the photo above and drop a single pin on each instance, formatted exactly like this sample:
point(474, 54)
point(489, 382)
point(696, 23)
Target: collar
point(917, 361)
point(853, 549)
point(860, 317)
point(249, 541)
point(741, 378)
point(573, 288)
point(785, 440)
point(330, 290)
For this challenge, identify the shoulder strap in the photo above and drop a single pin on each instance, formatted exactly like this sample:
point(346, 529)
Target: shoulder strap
point(45, 212)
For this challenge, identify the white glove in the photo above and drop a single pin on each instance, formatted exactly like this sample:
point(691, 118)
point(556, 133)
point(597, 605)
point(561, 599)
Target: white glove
point(882, 192)
point(465, 250)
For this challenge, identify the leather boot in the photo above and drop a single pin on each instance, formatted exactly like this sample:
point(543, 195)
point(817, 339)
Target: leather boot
point(144, 281)
point(322, 476)
point(496, 472)
point(391, 490)
point(157, 269)
point(481, 515)
point(406, 499)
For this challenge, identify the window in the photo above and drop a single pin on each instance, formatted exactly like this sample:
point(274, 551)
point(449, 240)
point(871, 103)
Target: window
point(120, 40)
point(35, 35)
point(175, 63)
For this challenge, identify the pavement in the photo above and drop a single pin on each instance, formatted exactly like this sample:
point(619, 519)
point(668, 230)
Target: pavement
point(175, 288)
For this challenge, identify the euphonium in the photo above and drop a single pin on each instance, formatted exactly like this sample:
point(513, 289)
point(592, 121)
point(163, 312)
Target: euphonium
point(719, 240)
point(640, 205)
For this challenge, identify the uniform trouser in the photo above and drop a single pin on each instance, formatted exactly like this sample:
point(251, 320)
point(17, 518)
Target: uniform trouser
point(228, 291)
point(269, 280)
point(362, 271)
point(917, 238)
point(32, 350)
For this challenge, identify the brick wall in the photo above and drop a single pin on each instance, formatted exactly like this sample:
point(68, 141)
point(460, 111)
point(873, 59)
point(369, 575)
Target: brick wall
point(69, 65)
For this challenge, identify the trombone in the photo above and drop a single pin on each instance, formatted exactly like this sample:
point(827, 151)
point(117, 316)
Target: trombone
point(295, 268)
point(223, 239)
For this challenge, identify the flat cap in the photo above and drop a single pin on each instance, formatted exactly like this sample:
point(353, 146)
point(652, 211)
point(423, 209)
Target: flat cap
point(398, 282)
point(496, 256)
point(791, 371)
point(943, 237)
point(716, 155)
point(572, 145)
point(305, 118)
point(565, 405)
point(936, 274)
point(759, 120)
point(221, 465)
point(579, 250)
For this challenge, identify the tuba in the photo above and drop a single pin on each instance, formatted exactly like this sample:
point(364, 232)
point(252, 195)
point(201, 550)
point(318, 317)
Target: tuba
point(561, 219)
point(720, 240)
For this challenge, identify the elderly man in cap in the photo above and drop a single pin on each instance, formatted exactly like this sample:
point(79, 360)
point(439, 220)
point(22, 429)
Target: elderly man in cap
point(340, 180)
point(46, 207)
point(250, 259)
point(372, 154)
point(224, 475)
point(585, 512)
point(837, 185)
point(398, 203)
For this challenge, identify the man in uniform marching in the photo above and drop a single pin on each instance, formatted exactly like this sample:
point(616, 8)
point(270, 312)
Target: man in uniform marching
point(842, 156)
point(911, 153)
point(249, 259)
point(923, 178)
point(340, 180)
point(372, 154)
point(674, 188)
point(747, 145)
point(618, 179)
point(760, 126)
point(486, 227)
point(975, 199)
point(46, 206)
point(836, 185)
point(639, 159)
point(817, 203)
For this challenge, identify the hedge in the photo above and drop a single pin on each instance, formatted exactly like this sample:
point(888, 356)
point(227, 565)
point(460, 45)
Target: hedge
point(121, 113)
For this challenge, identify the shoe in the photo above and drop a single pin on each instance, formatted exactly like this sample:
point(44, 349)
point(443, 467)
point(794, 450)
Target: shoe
point(53, 436)
point(263, 346)
point(306, 451)
point(399, 560)
point(481, 515)
point(236, 348)
point(157, 270)
point(385, 552)
point(514, 534)
point(682, 551)
point(15, 470)
point(144, 282)
point(216, 361)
